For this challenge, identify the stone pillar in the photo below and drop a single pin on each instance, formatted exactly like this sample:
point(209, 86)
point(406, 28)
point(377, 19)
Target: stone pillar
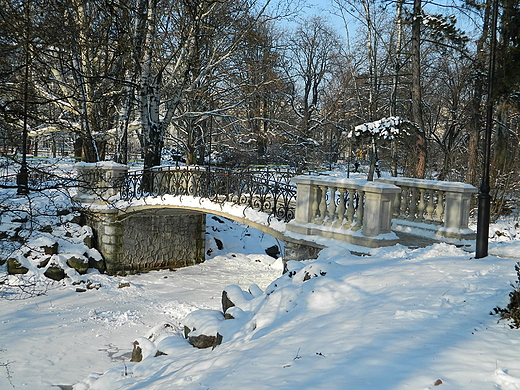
point(305, 197)
point(171, 239)
point(109, 238)
point(97, 182)
point(456, 214)
point(378, 209)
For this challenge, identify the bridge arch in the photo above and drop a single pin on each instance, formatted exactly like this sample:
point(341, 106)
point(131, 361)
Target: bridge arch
point(262, 221)
point(168, 232)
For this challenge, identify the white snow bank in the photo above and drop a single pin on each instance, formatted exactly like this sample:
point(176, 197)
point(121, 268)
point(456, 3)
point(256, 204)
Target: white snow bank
point(401, 319)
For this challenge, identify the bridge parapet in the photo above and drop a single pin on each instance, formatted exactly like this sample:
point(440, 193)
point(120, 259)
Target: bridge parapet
point(259, 189)
point(352, 210)
point(433, 206)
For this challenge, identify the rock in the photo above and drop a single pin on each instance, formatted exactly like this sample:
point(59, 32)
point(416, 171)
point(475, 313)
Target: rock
point(44, 262)
point(143, 348)
point(46, 229)
point(55, 273)
point(201, 328)
point(273, 251)
point(203, 341)
point(234, 296)
point(137, 353)
point(97, 264)
point(93, 285)
point(228, 316)
point(186, 331)
point(88, 241)
point(79, 264)
point(51, 250)
point(226, 302)
point(15, 268)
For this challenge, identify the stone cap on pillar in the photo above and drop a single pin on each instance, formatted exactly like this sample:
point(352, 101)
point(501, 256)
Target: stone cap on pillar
point(99, 181)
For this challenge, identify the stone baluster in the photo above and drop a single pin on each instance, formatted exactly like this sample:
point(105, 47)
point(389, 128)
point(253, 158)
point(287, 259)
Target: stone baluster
point(405, 191)
point(315, 202)
point(397, 204)
point(413, 204)
point(322, 205)
point(341, 208)
point(439, 211)
point(351, 208)
point(360, 210)
point(430, 207)
point(332, 206)
point(422, 205)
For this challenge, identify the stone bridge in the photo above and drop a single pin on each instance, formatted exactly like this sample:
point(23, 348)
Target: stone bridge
point(156, 219)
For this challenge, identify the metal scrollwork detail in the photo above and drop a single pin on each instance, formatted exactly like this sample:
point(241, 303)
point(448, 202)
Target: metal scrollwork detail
point(263, 189)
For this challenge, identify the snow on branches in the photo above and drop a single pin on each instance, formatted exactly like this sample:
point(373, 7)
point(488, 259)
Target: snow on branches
point(385, 128)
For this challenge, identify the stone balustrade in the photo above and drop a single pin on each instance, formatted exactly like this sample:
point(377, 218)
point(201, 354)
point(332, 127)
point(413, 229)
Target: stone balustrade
point(432, 206)
point(352, 210)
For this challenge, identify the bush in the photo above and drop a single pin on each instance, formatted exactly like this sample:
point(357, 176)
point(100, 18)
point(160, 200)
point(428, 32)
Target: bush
point(512, 311)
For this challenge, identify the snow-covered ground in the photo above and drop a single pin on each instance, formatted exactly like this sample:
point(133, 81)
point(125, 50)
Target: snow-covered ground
point(398, 319)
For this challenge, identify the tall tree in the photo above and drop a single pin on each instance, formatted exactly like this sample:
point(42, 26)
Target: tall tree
point(313, 51)
point(416, 93)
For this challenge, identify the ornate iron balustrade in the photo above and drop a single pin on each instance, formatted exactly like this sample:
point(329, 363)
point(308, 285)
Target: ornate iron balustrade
point(267, 190)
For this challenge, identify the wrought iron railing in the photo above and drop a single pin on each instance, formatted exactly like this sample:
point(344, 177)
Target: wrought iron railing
point(262, 189)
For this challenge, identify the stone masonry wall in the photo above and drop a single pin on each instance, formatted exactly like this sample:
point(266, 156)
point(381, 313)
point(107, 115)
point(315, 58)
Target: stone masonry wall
point(149, 241)
point(162, 241)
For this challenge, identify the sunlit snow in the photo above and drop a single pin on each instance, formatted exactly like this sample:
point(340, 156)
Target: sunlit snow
point(400, 318)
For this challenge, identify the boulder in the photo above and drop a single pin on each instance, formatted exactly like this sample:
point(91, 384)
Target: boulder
point(137, 353)
point(201, 328)
point(88, 240)
point(144, 348)
point(234, 296)
point(51, 250)
point(97, 264)
point(15, 268)
point(54, 272)
point(226, 302)
point(203, 341)
point(79, 264)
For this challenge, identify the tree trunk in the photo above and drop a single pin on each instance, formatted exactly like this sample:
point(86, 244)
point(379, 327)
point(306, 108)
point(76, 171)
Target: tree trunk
point(395, 81)
point(475, 123)
point(149, 97)
point(417, 117)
